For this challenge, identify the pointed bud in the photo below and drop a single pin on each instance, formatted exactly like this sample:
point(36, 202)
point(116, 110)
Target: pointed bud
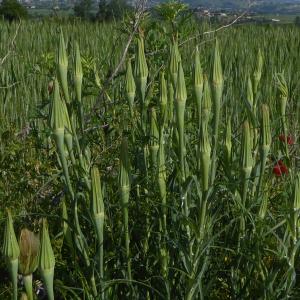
point(141, 68)
point(198, 82)
point(204, 149)
point(78, 74)
point(130, 86)
point(154, 137)
point(246, 155)
point(11, 252)
point(62, 66)
point(47, 261)
point(29, 244)
point(163, 100)
point(206, 103)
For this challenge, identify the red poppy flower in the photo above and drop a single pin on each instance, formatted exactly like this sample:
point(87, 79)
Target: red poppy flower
point(289, 139)
point(280, 168)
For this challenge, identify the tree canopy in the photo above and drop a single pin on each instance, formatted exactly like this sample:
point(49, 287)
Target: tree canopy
point(12, 10)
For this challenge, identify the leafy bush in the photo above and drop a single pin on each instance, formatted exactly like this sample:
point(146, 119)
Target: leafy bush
point(13, 10)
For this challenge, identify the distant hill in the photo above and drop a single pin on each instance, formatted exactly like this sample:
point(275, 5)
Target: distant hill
point(262, 6)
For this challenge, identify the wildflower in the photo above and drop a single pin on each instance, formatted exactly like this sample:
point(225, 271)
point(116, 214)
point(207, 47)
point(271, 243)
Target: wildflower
point(280, 168)
point(288, 139)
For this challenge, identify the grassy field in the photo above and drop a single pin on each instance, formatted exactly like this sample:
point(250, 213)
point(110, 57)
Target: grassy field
point(178, 178)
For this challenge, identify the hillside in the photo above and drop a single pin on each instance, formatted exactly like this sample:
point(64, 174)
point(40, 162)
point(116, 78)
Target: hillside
point(262, 6)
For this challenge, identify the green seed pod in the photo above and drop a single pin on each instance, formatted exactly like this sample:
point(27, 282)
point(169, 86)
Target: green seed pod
point(250, 97)
point(124, 188)
point(257, 73)
point(78, 74)
point(246, 155)
point(283, 93)
point(62, 67)
point(218, 84)
point(47, 261)
point(59, 121)
point(218, 81)
point(97, 204)
point(296, 210)
point(206, 103)
point(141, 69)
point(66, 228)
point(11, 252)
point(130, 87)
point(228, 143)
point(162, 177)
point(265, 143)
point(173, 64)
point(97, 207)
point(170, 99)
point(163, 101)
point(198, 83)
point(265, 140)
point(180, 101)
point(205, 150)
point(154, 138)
point(29, 244)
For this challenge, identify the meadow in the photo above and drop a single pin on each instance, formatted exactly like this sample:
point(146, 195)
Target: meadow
point(175, 179)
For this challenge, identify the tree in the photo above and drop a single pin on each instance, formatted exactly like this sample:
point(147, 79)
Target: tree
point(113, 9)
point(297, 21)
point(13, 10)
point(82, 9)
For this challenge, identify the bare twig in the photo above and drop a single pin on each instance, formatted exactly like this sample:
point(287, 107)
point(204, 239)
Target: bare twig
point(140, 9)
point(11, 46)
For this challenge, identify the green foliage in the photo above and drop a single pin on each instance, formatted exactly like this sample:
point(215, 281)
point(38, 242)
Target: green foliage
point(154, 223)
point(13, 10)
point(112, 9)
point(82, 9)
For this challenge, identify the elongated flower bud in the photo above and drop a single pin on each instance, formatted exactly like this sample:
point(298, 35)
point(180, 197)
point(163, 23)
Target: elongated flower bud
point(47, 261)
point(170, 99)
point(265, 144)
point(124, 187)
point(218, 80)
point(228, 142)
point(130, 87)
point(97, 207)
point(198, 83)
point(163, 101)
point(97, 204)
point(60, 124)
point(206, 103)
point(154, 137)
point(141, 68)
point(257, 72)
point(296, 210)
point(62, 67)
point(29, 244)
point(174, 61)
point(78, 74)
point(11, 252)
point(265, 129)
point(180, 101)
point(250, 97)
point(204, 149)
point(283, 93)
point(246, 155)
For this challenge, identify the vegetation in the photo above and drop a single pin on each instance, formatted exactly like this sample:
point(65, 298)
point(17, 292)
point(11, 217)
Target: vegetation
point(178, 179)
point(12, 10)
